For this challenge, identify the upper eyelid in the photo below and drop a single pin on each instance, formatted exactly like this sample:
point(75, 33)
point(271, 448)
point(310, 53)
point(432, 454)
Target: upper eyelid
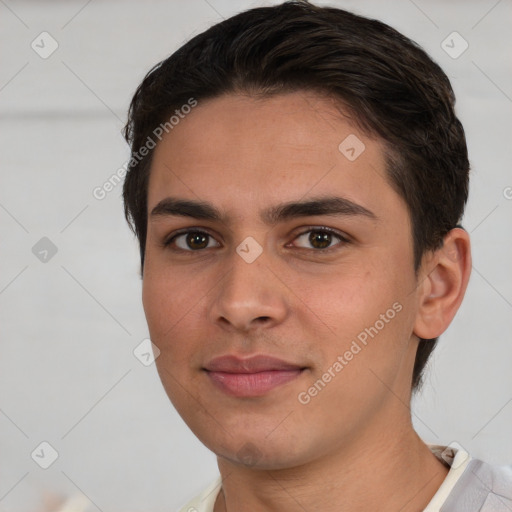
point(326, 229)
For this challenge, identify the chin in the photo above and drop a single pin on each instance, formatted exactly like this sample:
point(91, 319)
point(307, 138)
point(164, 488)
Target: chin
point(260, 452)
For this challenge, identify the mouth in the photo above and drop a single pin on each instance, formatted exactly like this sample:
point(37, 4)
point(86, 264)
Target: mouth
point(251, 377)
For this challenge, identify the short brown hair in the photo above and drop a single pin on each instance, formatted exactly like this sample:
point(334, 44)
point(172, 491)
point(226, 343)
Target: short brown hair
point(385, 82)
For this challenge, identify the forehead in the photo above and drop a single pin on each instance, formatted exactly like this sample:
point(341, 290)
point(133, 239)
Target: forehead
point(241, 150)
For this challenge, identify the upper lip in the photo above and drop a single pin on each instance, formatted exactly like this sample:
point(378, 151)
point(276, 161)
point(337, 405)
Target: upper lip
point(253, 364)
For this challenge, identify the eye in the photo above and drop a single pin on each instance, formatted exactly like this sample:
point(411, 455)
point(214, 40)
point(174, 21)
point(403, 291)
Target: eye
point(321, 238)
point(196, 240)
point(193, 240)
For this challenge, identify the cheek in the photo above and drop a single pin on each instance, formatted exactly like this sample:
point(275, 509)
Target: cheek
point(174, 305)
point(172, 310)
point(163, 308)
point(167, 297)
point(168, 314)
point(349, 299)
point(364, 314)
point(156, 304)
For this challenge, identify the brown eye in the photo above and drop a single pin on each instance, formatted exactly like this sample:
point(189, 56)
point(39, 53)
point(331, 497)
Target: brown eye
point(192, 241)
point(320, 238)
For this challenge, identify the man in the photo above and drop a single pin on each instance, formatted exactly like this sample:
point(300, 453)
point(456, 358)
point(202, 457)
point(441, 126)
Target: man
point(297, 180)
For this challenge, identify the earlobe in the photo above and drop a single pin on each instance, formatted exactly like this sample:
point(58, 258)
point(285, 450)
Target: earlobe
point(444, 279)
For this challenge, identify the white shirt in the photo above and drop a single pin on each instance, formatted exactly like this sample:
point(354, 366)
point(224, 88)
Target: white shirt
point(481, 488)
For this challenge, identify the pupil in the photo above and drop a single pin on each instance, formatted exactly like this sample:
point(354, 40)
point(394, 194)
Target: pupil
point(199, 238)
point(323, 240)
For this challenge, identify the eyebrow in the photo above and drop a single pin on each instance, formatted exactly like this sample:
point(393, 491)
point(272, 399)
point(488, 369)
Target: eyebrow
point(337, 206)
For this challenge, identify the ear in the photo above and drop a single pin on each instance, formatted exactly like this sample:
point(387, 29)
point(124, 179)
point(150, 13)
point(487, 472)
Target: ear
point(443, 278)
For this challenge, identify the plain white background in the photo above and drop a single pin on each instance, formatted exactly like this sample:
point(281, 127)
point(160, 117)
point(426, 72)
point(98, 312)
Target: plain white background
point(69, 326)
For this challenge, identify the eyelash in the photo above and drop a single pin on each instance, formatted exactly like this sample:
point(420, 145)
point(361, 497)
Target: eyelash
point(343, 239)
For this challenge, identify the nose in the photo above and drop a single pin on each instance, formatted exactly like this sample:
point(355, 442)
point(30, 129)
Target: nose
point(250, 295)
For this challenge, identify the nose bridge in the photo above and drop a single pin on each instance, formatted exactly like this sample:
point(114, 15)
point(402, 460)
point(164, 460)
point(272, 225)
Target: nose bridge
point(248, 291)
point(245, 282)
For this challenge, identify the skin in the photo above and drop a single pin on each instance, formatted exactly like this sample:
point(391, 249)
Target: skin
point(352, 445)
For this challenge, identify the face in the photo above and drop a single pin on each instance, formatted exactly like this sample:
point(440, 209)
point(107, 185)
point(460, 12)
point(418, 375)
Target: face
point(278, 280)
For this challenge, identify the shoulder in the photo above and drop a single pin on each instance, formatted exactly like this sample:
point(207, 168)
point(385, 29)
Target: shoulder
point(481, 488)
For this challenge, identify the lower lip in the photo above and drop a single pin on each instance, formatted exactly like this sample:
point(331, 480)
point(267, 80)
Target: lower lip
point(252, 384)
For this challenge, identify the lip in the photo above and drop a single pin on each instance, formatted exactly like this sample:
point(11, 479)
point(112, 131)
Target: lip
point(250, 377)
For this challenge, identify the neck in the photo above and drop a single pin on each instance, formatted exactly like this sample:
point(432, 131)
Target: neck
point(391, 467)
